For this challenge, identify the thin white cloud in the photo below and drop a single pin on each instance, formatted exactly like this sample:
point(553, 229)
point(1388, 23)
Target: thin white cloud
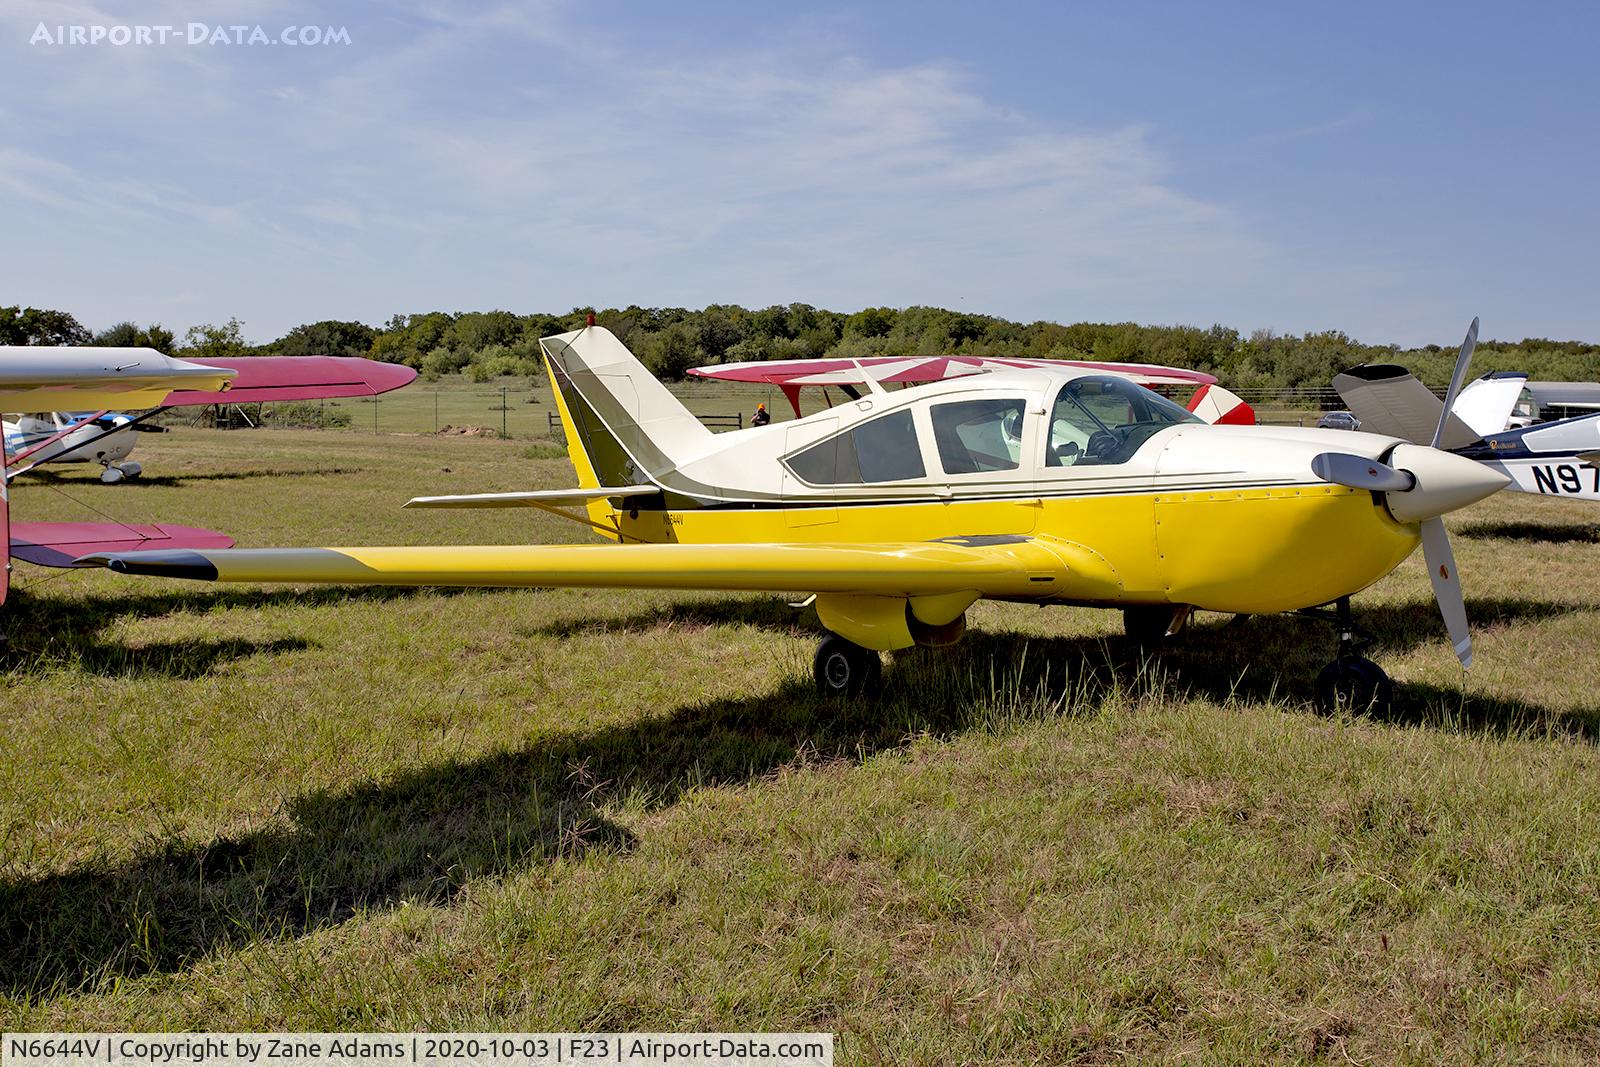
point(482, 158)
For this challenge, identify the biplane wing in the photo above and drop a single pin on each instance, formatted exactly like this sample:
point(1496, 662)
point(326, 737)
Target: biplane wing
point(81, 379)
point(51, 379)
point(269, 379)
point(59, 544)
point(1211, 401)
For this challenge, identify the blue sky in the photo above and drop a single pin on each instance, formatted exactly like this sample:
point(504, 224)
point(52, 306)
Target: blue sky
point(1382, 169)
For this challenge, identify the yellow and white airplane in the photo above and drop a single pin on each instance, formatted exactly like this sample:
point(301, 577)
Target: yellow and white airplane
point(899, 510)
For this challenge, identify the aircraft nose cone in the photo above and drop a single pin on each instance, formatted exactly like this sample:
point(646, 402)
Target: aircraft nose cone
point(1445, 482)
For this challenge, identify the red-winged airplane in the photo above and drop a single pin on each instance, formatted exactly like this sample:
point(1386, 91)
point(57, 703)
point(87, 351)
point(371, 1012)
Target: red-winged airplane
point(1211, 402)
point(101, 379)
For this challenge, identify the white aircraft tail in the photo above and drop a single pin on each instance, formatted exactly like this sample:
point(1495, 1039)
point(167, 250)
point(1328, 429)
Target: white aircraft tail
point(1487, 403)
point(622, 425)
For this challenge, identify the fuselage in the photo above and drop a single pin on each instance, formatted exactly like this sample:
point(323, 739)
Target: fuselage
point(89, 443)
point(1160, 506)
point(1546, 459)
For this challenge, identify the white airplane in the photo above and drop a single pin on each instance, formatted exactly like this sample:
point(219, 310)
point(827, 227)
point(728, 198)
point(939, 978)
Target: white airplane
point(898, 510)
point(1560, 458)
point(78, 438)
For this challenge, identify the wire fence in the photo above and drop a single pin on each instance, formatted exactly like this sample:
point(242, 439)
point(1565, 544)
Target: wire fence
point(525, 410)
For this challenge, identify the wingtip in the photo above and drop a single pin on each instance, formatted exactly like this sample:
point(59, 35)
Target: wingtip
point(174, 563)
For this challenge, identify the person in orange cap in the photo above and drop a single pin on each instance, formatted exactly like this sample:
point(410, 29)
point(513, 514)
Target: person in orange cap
point(760, 418)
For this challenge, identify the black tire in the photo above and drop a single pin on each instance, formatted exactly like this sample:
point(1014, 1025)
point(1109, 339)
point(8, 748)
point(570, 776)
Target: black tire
point(1354, 684)
point(844, 669)
point(1146, 624)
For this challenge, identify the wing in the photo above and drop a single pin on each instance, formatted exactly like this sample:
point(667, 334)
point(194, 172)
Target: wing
point(262, 379)
point(1022, 567)
point(1390, 401)
point(906, 370)
point(59, 544)
point(46, 378)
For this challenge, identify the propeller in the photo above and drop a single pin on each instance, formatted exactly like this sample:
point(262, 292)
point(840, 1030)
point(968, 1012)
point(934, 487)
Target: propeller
point(1447, 587)
point(1358, 472)
point(1457, 379)
point(1435, 542)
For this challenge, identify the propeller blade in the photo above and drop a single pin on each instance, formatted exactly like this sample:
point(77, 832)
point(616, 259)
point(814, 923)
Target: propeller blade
point(1457, 379)
point(1359, 472)
point(1447, 587)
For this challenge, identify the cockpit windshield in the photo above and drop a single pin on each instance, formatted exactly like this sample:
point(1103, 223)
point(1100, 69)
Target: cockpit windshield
point(1100, 419)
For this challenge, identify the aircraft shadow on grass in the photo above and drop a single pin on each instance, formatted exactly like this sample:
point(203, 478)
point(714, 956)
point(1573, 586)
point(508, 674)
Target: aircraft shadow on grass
point(426, 833)
point(44, 631)
point(1553, 533)
point(61, 478)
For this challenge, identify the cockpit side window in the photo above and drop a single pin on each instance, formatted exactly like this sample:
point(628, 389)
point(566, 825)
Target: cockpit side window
point(883, 450)
point(979, 435)
point(1102, 420)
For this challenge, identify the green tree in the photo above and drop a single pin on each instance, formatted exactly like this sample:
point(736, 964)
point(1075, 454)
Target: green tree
point(215, 342)
point(127, 335)
point(330, 337)
point(40, 326)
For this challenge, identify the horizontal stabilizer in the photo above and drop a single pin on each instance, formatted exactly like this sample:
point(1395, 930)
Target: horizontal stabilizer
point(270, 379)
point(1390, 401)
point(1011, 566)
point(543, 498)
point(59, 544)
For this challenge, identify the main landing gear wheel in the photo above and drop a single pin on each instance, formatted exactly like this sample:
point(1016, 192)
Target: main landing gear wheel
point(1352, 683)
point(845, 669)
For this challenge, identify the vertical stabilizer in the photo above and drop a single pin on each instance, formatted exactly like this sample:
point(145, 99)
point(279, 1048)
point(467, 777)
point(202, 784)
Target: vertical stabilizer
point(626, 424)
point(1487, 403)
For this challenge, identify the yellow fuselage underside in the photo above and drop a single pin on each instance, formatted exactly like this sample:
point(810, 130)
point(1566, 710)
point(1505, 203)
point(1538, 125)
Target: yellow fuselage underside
point(1238, 550)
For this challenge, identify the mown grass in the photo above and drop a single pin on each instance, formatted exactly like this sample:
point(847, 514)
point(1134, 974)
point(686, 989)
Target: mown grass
point(240, 808)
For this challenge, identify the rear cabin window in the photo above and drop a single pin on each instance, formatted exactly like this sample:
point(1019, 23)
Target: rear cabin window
point(883, 450)
point(978, 435)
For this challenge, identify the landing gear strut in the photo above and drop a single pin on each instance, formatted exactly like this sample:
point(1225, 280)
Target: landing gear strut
point(845, 669)
point(1149, 625)
point(1351, 682)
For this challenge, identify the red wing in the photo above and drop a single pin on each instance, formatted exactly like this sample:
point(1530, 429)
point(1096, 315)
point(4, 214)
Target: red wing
point(897, 370)
point(57, 544)
point(273, 378)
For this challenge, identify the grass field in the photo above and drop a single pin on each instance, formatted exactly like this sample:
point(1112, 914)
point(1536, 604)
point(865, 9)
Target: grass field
point(240, 808)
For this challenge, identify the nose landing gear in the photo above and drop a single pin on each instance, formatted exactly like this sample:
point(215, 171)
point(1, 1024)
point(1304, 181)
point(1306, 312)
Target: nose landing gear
point(844, 669)
point(116, 472)
point(1351, 682)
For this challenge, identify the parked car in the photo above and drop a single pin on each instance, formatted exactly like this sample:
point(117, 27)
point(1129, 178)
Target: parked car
point(1339, 420)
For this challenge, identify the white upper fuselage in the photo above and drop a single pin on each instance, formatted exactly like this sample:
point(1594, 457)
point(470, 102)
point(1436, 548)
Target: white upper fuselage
point(88, 443)
point(765, 463)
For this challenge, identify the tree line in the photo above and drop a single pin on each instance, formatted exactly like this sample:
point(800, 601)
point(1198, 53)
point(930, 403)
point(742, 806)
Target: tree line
point(490, 344)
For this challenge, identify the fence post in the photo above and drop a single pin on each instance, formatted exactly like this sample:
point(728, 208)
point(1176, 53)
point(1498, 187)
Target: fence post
point(436, 411)
point(503, 408)
point(374, 414)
